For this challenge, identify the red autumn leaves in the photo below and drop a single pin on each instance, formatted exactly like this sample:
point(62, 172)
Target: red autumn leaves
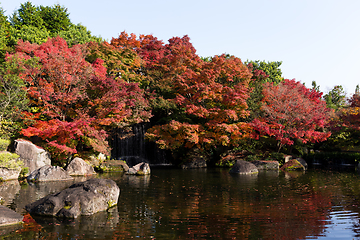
point(74, 102)
point(79, 93)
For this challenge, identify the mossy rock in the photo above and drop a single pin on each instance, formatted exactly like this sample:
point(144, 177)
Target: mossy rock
point(113, 166)
point(293, 165)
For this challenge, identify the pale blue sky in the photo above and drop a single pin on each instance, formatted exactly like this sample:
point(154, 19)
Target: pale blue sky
point(315, 39)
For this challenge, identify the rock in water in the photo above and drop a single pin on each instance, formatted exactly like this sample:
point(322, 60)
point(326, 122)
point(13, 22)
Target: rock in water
point(139, 169)
point(293, 165)
point(78, 167)
point(85, 198)
point(49, 173)
point(266, 165)
point(244, 167)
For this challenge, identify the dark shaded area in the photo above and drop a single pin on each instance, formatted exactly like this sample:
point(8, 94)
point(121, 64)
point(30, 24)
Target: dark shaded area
point(133, 148)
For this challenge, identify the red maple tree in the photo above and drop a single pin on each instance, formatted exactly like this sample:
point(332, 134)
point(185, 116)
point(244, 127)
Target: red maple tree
point(291, 111)
point(74, 102)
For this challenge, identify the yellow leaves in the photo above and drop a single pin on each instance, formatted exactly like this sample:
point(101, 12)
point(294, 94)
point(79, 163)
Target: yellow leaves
point(351, 111)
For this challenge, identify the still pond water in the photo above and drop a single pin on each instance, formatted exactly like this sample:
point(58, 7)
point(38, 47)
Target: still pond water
point(206, 204)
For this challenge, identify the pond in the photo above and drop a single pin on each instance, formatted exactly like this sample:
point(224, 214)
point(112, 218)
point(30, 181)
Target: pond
point(206, 204)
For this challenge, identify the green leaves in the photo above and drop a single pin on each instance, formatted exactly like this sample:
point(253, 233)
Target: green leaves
point(271, 69)
point(335, 98)
point(13, 92)
point(78, 34)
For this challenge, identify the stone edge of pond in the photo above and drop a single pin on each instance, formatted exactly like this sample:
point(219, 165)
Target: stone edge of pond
point(9, 217)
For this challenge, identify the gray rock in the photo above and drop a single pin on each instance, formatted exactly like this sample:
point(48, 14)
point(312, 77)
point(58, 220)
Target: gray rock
point(9, 173)
point(196, 163)
point(34, 157)
point(139, 169)
point(244, 167)
point(85, 198)
point(49, 173)
point(266, 165)
point(9, 217)
point(36, 190)
point(78, 167)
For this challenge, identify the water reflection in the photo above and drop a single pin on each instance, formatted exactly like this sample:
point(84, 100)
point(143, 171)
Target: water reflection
point(8, 191)
point(18, 196)
point(207, 204)
point(85, 227)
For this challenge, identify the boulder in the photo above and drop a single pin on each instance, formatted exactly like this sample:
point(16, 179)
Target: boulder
point(195, 163)
point(244, 167)
point(139, 169)
point(49, 173)
point(133, 160)
point(34, 157)
point(9, 173)
point(292, 165)
point(266, 165)
point(85, 198)
point(9, 217)
point(302, 162)
point(78, 167)
point(114, 166)
point(195, 158)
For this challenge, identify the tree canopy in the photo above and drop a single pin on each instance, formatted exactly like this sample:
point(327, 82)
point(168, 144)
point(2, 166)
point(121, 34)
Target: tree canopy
point(292, 112)
point(73, 102)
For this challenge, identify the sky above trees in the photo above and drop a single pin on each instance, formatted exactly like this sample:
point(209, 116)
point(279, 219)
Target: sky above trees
point(315, 40)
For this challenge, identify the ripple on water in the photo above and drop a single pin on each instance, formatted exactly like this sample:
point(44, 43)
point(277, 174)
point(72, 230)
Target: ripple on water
point(342, 224)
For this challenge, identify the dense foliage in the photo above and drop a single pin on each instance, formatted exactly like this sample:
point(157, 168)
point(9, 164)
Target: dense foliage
point(38, 23)
point(292, 111)
point(60, 84)
point(73, 102)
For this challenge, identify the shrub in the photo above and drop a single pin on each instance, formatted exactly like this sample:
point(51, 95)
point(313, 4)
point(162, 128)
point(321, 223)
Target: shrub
point(4, 143)
point(10, 160)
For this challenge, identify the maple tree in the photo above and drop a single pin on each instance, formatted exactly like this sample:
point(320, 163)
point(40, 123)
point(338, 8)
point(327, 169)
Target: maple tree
point(290, 111)
point(346, 124)
point(121, 63)
point(195, 103)
point(73, 102)
point(210, 99)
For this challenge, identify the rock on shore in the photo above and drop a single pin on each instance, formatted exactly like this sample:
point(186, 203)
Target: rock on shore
point(244, 167)
point(85, 198)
